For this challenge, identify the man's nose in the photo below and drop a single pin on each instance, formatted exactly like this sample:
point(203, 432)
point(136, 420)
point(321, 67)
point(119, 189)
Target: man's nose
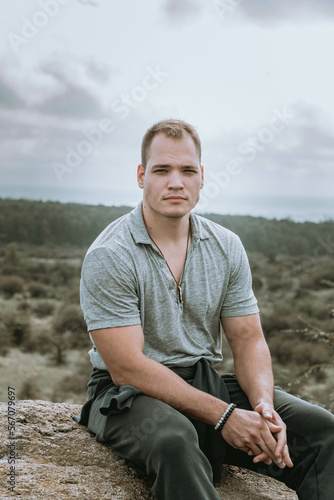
point(175, 180)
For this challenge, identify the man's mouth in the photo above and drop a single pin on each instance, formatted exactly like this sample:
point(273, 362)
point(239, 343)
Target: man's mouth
point(177, 198)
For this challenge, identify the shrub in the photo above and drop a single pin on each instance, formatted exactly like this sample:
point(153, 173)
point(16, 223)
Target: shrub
point(72, 387)
point(314, 280)
point(257, 282)
point(36, 271)
point(11, 262)
point(297, 351)
point(302, 293)
point(324, 312)
point(310, 353)
point(70, 319)
point(73, 294)
point(62, 273)
point(320, 375)
point(6, 337)
point(20, 326)
point(272, 258)
point(37, 290)
point(307, 306)
point(23, 306)
point(43, 309)
point(277, 322)
point(29, 390)
point(10, 285)
point(48, 344)
point(14, 330)
point(273, 286)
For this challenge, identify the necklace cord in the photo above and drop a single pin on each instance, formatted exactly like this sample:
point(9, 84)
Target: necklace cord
point(178, 283)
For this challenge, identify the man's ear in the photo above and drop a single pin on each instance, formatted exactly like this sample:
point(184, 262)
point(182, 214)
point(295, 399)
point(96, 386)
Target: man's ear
point(202, 176)
point(140, 175)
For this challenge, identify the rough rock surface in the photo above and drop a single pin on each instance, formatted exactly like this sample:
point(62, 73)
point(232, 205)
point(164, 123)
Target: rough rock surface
point(58, 459)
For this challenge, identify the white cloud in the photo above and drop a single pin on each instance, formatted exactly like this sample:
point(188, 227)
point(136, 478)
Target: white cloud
point(274, 11)
point(179, 10)
point(224, 77)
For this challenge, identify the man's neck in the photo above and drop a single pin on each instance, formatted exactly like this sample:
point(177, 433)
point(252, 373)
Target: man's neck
point(163, 228)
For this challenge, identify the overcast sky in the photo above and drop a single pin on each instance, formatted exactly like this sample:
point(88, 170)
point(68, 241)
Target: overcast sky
point(82, 80)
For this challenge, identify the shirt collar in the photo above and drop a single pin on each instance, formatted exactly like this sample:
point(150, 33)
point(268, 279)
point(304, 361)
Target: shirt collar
point(137, 226)
point(139, 232)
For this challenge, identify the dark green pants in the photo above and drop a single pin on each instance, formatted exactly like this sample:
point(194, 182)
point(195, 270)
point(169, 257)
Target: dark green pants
point(160, 439)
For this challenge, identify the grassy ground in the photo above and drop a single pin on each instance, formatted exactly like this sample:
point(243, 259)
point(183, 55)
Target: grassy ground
point(44, 343)
point(34, 377)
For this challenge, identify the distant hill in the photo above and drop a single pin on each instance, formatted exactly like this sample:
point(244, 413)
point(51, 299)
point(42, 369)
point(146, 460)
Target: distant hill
point(55, 223)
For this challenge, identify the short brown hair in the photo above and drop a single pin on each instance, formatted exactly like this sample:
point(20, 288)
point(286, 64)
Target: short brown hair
point(176, 129)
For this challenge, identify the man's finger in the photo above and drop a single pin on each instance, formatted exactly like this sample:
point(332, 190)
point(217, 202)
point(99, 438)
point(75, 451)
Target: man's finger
point(286, 456)
point(269, 446)
point(274, 428)
point(254, 450)
point(281, 442)
point(262, 457)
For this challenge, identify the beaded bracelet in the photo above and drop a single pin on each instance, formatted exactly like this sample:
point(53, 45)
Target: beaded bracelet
point(224, 417)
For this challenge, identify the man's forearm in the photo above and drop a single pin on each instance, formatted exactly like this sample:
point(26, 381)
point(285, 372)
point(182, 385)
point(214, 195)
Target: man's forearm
point(253, 370)
point(158, 381)
point(122, 353)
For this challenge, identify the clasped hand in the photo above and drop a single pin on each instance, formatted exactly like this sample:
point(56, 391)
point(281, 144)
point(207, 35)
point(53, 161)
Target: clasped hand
point(260, 433)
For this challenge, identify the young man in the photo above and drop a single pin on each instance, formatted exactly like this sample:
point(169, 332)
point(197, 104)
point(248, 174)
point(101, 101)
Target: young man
point(158, 285)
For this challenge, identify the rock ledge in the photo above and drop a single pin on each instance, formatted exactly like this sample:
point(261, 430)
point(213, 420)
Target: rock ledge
point(58, 459)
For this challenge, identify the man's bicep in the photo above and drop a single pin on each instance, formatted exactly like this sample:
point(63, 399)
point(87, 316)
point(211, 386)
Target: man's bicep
point(119, 346)
point(239, 299)
point(240, 330)
point(108, 292)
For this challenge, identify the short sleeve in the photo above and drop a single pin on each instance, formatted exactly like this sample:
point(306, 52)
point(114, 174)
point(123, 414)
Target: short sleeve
point(108, 291)
point(239, 299)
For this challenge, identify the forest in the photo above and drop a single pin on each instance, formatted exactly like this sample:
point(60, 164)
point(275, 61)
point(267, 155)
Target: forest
point(43, 336)
point(55, 223)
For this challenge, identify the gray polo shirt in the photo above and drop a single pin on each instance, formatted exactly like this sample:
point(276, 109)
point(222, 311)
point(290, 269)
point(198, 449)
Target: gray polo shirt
point(125, 281)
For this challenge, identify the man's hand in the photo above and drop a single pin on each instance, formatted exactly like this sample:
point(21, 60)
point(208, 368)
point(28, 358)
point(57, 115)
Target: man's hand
point(254, 373)
point(282, 451)
point(253, 433)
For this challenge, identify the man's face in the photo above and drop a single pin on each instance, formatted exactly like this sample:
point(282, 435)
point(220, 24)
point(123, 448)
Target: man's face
point(173, 176)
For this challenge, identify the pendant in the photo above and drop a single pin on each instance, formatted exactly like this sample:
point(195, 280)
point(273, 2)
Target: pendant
point(180, 294)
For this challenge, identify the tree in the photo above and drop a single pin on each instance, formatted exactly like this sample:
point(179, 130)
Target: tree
point(12, 261)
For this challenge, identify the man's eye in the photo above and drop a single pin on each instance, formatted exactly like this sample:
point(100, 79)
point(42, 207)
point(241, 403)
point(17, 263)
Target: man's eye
point(160, 170)
point(190, 171)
